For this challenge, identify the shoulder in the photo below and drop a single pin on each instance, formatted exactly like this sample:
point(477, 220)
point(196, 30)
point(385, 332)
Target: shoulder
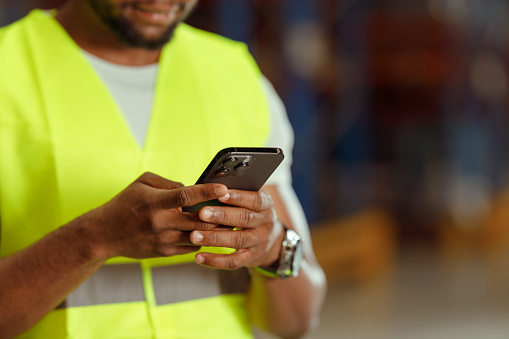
point(214, 48)
point(9, 30)
point(18, 67)
point(16, 38)
point(198, 35)
point(33, 18)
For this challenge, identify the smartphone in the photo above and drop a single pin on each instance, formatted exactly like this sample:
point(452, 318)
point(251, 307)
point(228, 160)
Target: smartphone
point(242, 168)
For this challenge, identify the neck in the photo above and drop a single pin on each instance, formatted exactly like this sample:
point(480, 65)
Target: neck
point(87, 30)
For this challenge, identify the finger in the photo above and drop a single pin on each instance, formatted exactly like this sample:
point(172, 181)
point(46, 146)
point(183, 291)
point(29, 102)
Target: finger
point(256, 201)
point(171, 242)
point(231, 216)
point(191, 195)
point(231, 239)
point(232, 261)
point(168, 251)
point(177, 221)
point(174, 238)
point(156, 181)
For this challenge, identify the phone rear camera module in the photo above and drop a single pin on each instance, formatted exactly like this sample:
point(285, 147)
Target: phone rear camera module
point(242, 168)
point(222, 172)
point(230, 162)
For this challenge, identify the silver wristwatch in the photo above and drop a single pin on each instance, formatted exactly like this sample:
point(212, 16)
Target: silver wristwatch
point(290, 257)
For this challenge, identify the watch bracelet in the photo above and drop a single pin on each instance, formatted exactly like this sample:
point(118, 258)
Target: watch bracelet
point(281, 272)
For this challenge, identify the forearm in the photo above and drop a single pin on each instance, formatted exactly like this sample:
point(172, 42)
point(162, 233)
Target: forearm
point(35, 280)
point(290, 307)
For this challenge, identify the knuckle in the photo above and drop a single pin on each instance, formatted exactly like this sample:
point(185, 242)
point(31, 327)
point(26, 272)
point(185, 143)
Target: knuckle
point(145, 176)
point(214, 238)
point(154, 227)
point(267, 201)
point(245, 217)
point(204, 226)
point(160, 250)
point(273, 216)
point(184, 198)
point(145, 210)
point(159, 221)
point(208, 193)
point(241, 241)
point(259, 201)
point(204, 192)
point(158, 239)
point(177, 184)
point(232, 264)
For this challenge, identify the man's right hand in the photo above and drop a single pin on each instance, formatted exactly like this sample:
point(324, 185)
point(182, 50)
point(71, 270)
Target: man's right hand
point(146, 220)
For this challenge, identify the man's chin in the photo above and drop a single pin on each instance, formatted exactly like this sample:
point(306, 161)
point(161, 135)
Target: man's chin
point(154, 44)
point(137, 39)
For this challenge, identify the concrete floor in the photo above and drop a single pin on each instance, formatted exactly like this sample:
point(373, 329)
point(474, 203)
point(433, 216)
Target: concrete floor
point(425, 297)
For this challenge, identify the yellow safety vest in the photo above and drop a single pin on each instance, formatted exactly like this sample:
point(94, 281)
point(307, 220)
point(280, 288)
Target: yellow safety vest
point(65, 149)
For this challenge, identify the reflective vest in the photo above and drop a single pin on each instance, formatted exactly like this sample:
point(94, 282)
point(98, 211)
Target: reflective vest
point(65, 149)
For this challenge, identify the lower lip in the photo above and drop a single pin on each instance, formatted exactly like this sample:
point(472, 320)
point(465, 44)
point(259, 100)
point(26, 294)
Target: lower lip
point(157, 18)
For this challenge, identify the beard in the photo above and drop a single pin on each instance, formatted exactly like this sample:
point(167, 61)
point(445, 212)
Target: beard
point(126, 31)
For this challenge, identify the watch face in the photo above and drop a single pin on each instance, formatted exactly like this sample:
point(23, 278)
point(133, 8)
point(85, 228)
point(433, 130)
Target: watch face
point(297, 259)
point(294, 246)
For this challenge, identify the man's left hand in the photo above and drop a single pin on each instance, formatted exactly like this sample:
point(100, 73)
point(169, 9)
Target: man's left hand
point(257, 236)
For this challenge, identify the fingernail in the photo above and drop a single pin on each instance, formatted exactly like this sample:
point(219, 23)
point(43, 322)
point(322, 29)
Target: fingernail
point(207, 213)
point(197, 237)
point(200, 259)
point(225, 198)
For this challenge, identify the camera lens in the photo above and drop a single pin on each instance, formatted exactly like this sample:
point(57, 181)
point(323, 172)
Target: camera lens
point(242, 168)
point(222, 172)
point(230, 162)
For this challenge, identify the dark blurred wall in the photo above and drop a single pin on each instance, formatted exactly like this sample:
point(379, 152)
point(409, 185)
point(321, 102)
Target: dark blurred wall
point(11, 10)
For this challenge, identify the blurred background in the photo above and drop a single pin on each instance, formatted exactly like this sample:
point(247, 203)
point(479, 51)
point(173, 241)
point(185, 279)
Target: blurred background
point(401, 160)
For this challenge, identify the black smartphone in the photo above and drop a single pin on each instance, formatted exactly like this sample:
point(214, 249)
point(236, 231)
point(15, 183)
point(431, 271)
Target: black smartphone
point(242, 168)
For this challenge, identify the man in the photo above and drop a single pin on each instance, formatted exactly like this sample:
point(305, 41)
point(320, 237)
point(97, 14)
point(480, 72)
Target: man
point(93, 95)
